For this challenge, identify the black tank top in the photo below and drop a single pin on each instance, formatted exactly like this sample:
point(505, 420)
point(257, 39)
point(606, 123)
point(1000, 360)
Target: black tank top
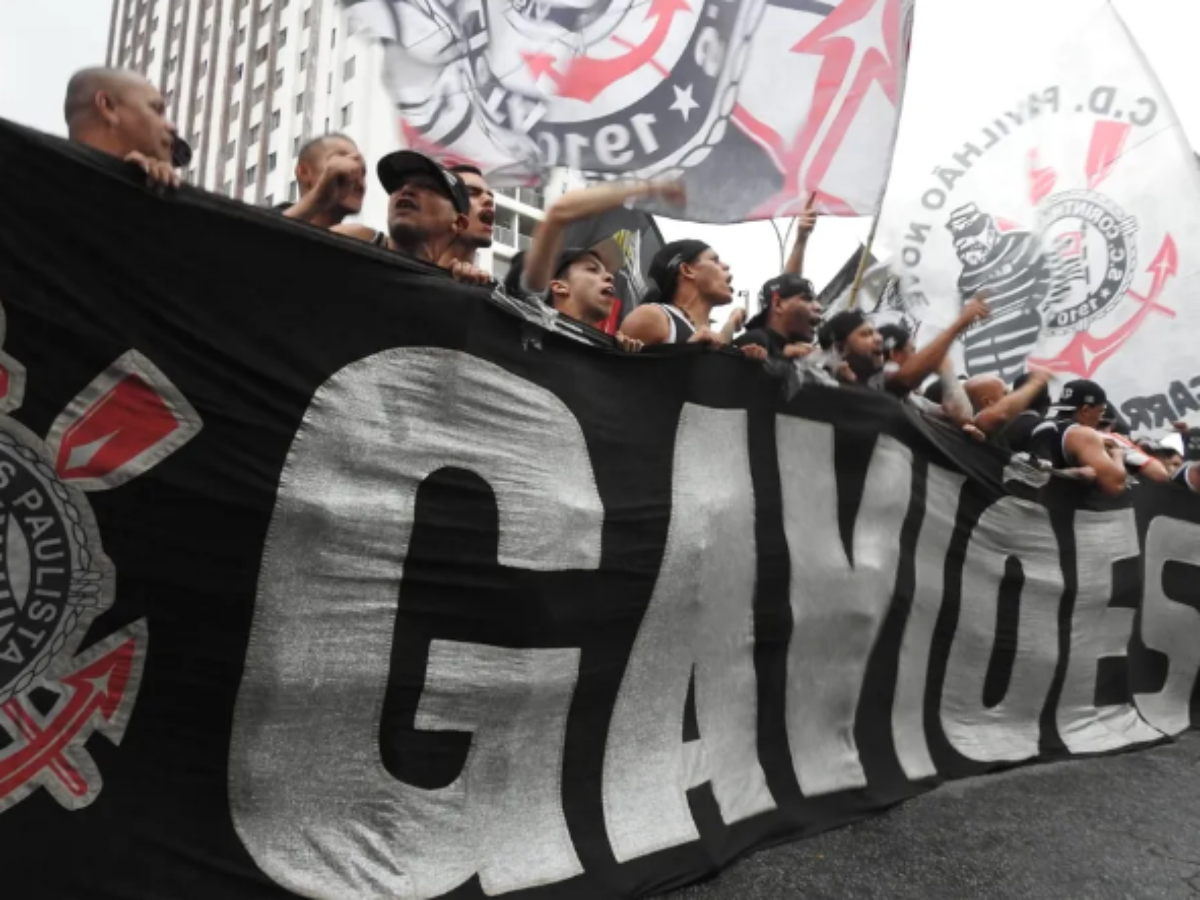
point(1048, 443)
point(682, 328)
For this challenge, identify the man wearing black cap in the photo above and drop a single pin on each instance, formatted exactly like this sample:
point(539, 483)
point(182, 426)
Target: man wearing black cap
point(787, 324)
point(122, 114)
point(857, 343)
point(1069, 439)
point(429, 207)
point(688, 280)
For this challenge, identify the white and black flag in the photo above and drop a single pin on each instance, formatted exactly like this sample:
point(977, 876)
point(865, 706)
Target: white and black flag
point(755, 104)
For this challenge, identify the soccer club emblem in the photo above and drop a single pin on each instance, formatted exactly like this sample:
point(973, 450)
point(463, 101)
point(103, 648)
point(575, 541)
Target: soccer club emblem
point(55, 578)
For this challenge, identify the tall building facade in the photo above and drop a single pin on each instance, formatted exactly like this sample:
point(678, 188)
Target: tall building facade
point(248, 82)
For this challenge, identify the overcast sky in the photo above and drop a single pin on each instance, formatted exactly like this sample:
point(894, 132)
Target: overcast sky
point(43, 41)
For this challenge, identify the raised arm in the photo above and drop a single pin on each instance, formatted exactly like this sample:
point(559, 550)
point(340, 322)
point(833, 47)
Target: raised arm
point(929, 358)
point(572, 207)
point(1000, 413)
point(804, 229)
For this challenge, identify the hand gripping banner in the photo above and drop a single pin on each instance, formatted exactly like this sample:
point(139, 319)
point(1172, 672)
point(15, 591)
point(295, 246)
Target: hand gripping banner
point(326, 577)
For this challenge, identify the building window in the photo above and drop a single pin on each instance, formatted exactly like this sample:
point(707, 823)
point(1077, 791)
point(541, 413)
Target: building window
point(307, 17)
point(169, 98)
point(292, 191)
point(255, 131)
point(260, 55)
point(149, 54)
point(283, 4)
point(282, 36)
point(327, 124)
point(231, 150)
point(295, 147)
point(329, 84)
point(278, 79)
point(259, 93)
point(251, 174)
point(205, 34)
point(333, 39)
point(173, 64)
point(299, 103)
point(269, 201)
point(203, 67)
point(208, 5)
point(271, 161)
point(303, 59)
point(237, 73)
point(227, 190)
point(191, 176)
point(235, 112)
point(241, 35)
point(154, 24)
point(348, 69)
point(275, 118)
point(347, 114)
point(265, 11)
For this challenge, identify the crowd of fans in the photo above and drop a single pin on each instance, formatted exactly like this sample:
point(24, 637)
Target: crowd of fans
point(444, 215)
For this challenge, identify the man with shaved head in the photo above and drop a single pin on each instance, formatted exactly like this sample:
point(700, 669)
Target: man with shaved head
point(1008, 417)
point(121, 113)
point(332, 178)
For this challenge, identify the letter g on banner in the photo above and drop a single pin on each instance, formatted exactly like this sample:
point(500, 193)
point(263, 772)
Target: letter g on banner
point(310, 797)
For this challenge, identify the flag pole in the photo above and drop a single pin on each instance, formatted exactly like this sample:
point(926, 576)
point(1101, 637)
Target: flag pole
point(862, 264)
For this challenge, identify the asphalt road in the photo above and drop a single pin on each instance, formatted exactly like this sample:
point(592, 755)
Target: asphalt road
point(1118, 827)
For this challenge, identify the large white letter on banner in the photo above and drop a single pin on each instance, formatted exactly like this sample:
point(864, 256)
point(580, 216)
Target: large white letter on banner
point(314, 805)
point(942, 489)
point(1009, 729)
point(1170, 627)
point(837, 607)
point(1099, 631)
point(701, 615)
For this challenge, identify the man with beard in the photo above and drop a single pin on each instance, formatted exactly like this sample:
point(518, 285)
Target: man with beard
point(331, 176)
point(1069, 440)
point(688, 280)
point(856, 343)
point(429, 207)
point(478, 235)
point(1014, 271)
point(787, 325)
point(123, 114)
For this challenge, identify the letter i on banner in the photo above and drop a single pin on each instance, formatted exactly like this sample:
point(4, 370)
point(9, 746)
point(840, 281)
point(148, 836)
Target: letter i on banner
point(701, 618)
point(315, 807)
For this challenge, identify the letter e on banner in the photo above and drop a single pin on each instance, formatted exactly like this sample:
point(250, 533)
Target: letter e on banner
point(1169, 626)
point(701, 615)
point(1099, 631)
point(314, 806)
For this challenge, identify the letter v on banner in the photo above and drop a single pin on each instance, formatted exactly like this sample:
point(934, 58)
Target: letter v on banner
point(701, 618)
point(838, 607)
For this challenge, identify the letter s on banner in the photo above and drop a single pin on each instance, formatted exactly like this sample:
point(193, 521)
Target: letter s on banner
point(701, 615)
point(1009, 729)
point(315, 806)
point(1170, 627)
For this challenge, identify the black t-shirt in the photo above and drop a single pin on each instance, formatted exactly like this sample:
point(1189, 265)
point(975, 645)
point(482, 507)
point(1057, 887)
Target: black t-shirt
point(1016, 436)
point(773, 341)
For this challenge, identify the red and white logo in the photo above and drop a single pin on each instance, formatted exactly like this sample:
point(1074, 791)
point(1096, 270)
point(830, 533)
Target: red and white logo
point(55, 578)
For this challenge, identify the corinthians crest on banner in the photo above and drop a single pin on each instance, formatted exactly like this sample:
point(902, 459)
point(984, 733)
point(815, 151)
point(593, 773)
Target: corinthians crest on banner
point(756, 103)
point(1069, 197)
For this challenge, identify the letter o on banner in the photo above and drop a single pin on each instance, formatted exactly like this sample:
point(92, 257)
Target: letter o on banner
point(1009, 730)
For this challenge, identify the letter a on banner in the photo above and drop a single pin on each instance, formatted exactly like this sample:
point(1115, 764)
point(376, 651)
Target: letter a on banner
point(701, 618)
point(315, 807)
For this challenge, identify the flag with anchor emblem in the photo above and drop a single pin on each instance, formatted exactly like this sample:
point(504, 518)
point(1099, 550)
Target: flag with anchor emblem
point(754, 104)
point(1068, 195)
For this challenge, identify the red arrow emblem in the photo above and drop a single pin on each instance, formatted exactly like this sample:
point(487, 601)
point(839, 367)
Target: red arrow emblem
point(586, 77)
point(99, 695)
point(1085, 354)
point(125, 422)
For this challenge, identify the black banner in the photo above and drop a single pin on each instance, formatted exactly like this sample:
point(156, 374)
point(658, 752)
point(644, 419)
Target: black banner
point(324, 576)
